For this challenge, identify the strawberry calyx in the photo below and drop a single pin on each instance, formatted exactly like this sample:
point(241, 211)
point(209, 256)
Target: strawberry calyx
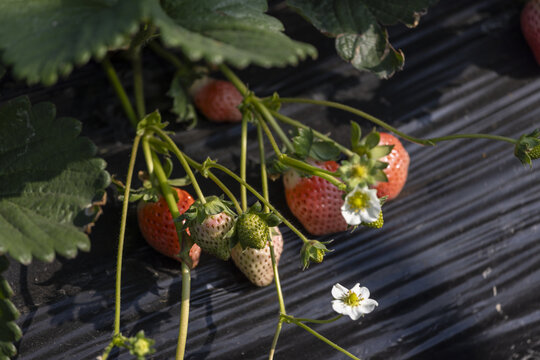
point(199, 211)
point(251, 229)
point(528, 147)
point(313, 251)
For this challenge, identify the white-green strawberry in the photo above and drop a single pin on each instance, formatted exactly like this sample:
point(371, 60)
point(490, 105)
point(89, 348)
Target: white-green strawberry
point(211, 235)
point(256, 264)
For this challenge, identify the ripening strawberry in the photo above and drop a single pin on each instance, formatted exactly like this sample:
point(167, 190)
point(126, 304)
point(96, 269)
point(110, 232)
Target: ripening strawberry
point(210, 235)
point(315, 202)
point(530, 26)
point(218, 100)
point(398, 167)
point(256, 264)
point(157, 226)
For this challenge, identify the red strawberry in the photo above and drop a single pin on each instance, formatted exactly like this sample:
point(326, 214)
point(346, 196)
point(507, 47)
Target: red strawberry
point(256, 264)
point(218, 100)
point(530, 26)
point(157, 226)
point(398, 166)
point(210, 235)
point(315, 202)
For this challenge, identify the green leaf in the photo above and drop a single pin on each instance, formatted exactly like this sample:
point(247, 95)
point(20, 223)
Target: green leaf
point(49, 178)
point(182, 105)
point(302, 142)
point(356, 25)
point(9, 331)
point(234, 31)
point(43, 39)
point(324, 151)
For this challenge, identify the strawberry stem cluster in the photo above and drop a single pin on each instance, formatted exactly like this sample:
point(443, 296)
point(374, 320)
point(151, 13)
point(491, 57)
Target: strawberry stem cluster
point(250, 228)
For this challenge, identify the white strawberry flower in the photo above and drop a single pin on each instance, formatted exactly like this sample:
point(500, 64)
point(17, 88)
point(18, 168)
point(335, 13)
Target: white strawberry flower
point(361, 205)
point(354, 302)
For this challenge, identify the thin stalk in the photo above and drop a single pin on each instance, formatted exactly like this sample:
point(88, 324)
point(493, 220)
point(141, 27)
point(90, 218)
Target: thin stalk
point(184, 312)
point(182, 160)
point(235, 80)
point(473, 136)
point(211, 176)
point(318, 336)
point(315, 321)
point(138, 85)
point(243, 156)
point(269, 135)
point(121, 236)
point(186, 277)
point(289, 121)
point(168, 56)
point(275, 340)
point(270, 119)
point(120, 92)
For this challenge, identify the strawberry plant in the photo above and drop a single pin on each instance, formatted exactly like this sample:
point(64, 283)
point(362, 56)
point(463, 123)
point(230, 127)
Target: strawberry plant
point(53, 185)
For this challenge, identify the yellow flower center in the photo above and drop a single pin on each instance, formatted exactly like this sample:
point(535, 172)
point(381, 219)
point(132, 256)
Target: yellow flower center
point(359, 171)
point(351, 299)
point(358, 201)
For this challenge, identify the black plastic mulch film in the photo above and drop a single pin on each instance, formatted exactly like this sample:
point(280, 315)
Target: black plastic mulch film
point(456, 268)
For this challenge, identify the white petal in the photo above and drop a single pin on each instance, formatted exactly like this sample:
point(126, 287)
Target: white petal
point(351, 217)
point(363, 293)
point(356, 289)
point(340, 307)
point(355, 313)
point(339, 291)
point(368, 306)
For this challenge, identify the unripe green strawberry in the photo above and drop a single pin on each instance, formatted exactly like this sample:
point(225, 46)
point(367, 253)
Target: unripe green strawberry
point(256, 264)
point(377, 224)
point(252, 231)
point(534, 153)
point(210, 235)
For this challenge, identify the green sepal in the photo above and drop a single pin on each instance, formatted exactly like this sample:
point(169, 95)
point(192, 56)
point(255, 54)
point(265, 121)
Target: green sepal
point(206, 165)
point(272, 102)
point(198, 211)
point(180, 182)
point(152, 119)
point(313, 251)
point(360, 170)
point(274, 167)
point(356, 134)
point(528, 147)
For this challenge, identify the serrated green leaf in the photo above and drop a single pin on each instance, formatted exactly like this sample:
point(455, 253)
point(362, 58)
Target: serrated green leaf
point(302, 142)
point(324, 151)
point(9, 331)
point(48, 178)
point(360, 39)
point(182, 105)
point(44, 39)
point(235, 31)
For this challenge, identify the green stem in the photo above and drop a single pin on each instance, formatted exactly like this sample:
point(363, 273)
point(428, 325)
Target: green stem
point(293, 320)
point(270, 119)
point(211, 176)
point(269, 135)
point(473, 136)
point(168, 56)
point(121, 236)
point(138, 85)
point(315, 321)
point(275, 340)
point(384, 125)
point(314, 170)
point(298, 124)
point(120, 92)
point(184, 312)
point(182, 160)
point(243, 156)
point(231, 76)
